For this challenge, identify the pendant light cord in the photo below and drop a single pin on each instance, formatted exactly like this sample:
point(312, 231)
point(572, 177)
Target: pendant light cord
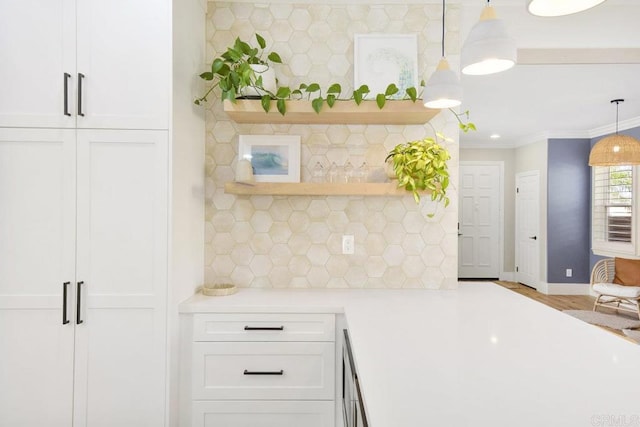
point(443, 28)
point(617, 101)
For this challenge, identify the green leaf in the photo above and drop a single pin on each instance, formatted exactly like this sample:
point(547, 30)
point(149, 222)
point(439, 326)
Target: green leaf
point(282, 106)
point(261, 41)
point(334, 88)
point(364, 89)
point(207, 75)
point(224, 70)
point(357, 97)
point(283, 92)
point(296, 92)
point(317, 104)
point(275, 58)
point(331, 100)
point(413, 93)
point(303, 86)
point(381, 100)
point(266, 103)
point(313, 87)
point(217, 65)
point(392, 89)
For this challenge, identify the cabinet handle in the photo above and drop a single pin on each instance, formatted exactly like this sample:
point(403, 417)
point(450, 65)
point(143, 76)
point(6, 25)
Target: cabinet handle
point(80, 78)
point(79, 303)
point(66, 94)
point(64, 303)
point(280, 372)
point(264, 328)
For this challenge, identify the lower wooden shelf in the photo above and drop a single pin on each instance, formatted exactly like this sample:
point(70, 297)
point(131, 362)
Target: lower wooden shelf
point(315, 189)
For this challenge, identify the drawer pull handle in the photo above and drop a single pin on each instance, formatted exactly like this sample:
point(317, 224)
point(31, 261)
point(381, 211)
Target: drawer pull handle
point(280, 372)
point(264, 328)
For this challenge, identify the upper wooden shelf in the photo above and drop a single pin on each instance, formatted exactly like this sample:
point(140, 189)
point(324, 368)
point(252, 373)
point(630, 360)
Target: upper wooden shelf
point(342, 113)
point(315, 189)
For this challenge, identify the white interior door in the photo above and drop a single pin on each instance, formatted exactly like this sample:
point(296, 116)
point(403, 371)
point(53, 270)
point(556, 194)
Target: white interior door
point(37, 256)
point(37, 47)
point(528, 228)
point(122, 262)
point(479, 219)
point(124, 54)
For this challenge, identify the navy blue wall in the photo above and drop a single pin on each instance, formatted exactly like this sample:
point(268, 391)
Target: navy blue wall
point(568, 210)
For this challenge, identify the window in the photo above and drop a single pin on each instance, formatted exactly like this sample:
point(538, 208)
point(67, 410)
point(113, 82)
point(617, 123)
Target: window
point(613, 202)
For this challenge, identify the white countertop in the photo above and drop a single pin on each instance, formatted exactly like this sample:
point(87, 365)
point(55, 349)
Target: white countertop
point(480, 355)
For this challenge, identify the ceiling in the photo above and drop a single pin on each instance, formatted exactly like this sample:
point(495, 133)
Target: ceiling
point(532, 102)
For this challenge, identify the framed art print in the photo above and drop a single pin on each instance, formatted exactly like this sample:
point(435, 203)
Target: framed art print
point(381, 59)
point(274, 158)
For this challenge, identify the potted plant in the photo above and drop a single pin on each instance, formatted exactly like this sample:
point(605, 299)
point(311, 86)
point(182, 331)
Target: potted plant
point(422, 166)
point(242, 71)
point(241, 68)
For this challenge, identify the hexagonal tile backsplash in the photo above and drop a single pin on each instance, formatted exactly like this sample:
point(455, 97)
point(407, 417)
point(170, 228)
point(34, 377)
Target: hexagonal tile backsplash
point(264, 241)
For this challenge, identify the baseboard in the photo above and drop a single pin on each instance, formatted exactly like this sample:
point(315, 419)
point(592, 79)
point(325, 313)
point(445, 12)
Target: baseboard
point(508, 276)
point(564, 288)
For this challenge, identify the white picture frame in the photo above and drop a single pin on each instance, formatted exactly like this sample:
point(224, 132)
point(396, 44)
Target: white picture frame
point(381, 59)
point(274, 158)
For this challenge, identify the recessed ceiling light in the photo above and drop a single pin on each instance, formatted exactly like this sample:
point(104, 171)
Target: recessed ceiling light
point(494, 136)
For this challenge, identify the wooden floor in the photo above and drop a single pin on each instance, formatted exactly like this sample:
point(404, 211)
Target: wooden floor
point(559, 302)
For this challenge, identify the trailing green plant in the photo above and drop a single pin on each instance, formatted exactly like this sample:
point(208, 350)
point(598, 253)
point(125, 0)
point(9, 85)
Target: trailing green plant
point(422, 166)
point(232, 73)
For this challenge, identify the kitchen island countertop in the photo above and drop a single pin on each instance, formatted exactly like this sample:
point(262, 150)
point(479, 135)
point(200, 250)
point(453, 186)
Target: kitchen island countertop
point(479, 355)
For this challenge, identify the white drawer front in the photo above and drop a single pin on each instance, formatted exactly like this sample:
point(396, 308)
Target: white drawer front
point(264, 327)
point(251, 370)
point(262, 414)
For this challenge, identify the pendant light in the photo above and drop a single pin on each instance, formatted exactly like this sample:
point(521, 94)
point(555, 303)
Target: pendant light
point(488, 48)
point(559, 8)
point(443, 90)
point(615, 150)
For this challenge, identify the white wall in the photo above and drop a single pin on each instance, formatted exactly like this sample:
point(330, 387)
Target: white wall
point(187, 158)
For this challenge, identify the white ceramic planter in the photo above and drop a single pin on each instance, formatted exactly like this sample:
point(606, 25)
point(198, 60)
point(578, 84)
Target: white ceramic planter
point(268, 80)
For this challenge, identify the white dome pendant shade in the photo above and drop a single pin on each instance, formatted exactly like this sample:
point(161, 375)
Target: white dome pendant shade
point(559, 7)
point(443, 90)
point(488, 48)
point(616, 149)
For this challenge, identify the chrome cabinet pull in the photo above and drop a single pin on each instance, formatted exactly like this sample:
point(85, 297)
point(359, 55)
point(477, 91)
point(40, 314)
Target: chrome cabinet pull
point(64, 302)
point(79, 303)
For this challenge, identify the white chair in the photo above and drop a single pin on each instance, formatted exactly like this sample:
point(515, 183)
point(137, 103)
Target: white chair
point(611, 295)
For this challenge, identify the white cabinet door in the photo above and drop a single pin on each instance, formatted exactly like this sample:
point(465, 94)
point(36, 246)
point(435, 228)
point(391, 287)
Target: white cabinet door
point(37, 256)
point(122, 261)
point(263, 370)
point(262, 414)
point(37, 47)
point(124, 55)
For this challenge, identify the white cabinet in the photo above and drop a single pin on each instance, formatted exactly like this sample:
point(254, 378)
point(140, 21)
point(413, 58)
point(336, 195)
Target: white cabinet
point(85, 63)
point(262, 414)
point(83, 226)
point(259, 370)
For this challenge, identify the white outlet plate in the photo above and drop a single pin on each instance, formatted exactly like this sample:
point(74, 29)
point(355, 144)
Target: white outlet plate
point(569, 272)
point(348, 244)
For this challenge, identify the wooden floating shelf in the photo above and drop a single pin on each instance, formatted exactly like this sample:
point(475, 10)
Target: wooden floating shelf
point(315, 189)
point(342, 113)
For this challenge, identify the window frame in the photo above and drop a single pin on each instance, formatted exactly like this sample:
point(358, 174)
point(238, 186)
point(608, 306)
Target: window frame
point(606, 248)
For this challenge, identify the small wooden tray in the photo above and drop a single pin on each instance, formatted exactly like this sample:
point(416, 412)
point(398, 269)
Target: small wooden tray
point(219, 289)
